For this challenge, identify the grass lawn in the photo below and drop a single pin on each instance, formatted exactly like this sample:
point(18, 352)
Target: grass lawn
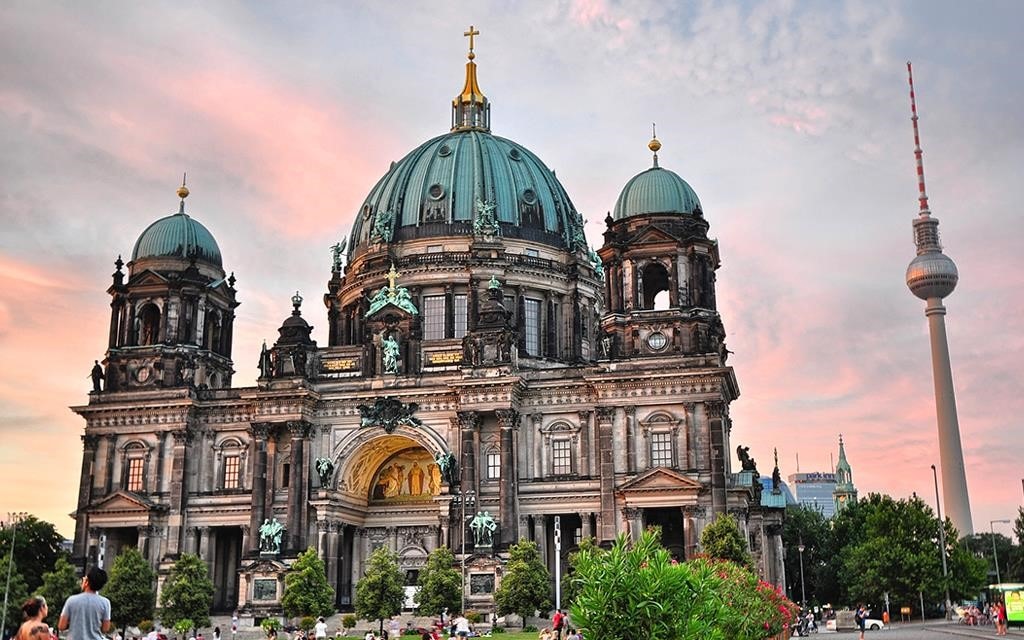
point(531, 635)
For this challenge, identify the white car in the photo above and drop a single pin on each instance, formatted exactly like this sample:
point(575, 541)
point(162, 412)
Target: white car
point(872, 624)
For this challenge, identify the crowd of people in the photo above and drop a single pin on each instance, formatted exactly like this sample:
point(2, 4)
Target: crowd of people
point(993, 613)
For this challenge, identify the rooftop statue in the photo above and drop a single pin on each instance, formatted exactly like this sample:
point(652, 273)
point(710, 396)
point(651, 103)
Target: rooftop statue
point(485, 223)
point(392, 294)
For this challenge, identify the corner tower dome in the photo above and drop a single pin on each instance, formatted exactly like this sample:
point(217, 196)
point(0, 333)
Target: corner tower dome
point(178, 236)
point(656, 190)
point(457, 182)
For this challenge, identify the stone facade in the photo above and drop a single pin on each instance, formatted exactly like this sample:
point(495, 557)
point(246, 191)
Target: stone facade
point(591, 386)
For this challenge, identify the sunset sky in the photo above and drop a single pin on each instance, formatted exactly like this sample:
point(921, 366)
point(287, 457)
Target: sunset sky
point(791, 120)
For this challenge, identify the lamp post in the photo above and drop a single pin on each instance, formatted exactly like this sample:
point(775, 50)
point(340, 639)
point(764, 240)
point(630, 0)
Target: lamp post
point(995, 557)
point(803, 591)
point(942, 539)
point(15, 519)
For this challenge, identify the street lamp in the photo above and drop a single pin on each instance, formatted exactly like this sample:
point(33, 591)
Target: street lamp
point(995, 558)
point(942, 540)
point(803, 591)
point(15, 519)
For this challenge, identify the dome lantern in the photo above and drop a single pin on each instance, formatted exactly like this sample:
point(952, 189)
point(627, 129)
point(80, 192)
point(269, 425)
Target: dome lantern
point(471, 109)
point(178, 236)
point(656, 190)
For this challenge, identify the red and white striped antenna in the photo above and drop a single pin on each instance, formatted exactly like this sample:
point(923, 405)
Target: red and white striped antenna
point(918, 153)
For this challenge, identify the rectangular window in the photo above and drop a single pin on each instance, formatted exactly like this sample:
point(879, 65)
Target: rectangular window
point(433, 318)
point(561, 457)
point(461, 303)
point(231, 472)
point(531, 324)
point(286, 475)
point(493, 466)
point(135, 474)
point(661, 449)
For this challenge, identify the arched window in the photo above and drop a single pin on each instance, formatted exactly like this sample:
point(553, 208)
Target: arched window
point(149, 324)
point(656, 284)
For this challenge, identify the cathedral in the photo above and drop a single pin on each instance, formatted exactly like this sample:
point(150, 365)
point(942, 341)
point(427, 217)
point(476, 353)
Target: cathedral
point(487, 378)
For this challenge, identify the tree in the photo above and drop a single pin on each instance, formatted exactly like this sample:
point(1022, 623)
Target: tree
point(808, 527)
point(17, 592)
point(722, 539)
point(306, 590)
point(37, 546)
point(980, 545)
point(59, 585)
point(893, 548)
point(440, 584)
point(380, 593)
point(525, 587)
point(130, 589)
point(1015, 567)
point(187, 593)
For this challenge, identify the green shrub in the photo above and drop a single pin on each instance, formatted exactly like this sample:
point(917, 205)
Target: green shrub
point(474, 617)
point(530, 629)
point(307, 623)
point(183, 627)
point(348, 621)
point(410, 632)
point(146, 626)
point(270, 624)
point(498, 630)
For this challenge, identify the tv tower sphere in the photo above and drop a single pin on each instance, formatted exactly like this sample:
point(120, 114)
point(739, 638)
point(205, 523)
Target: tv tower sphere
point(932, 275)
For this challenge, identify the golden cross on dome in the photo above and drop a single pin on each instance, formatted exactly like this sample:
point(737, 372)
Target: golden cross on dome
point(469, 34)
point(392, 276)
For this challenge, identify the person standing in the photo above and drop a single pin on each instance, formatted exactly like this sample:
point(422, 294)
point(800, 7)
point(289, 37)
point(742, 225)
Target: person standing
point(860, 617)
point(87, 614)
point(557, 622)
point(320, 630)
point(461, 626)
point(34, 628)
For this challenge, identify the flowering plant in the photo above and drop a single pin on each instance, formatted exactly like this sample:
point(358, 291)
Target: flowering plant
point(638, 591)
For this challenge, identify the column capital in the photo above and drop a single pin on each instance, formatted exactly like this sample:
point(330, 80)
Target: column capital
point(260, 430)
point(469, 420)
point(90, 441)
point(299, 429)
point(584, 416)
point(507, 418)
point(605, 414)
point(630, 513)
point(715, 409)
point(182, 436)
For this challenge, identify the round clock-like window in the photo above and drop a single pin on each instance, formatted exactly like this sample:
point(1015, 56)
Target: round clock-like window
point(142, 374)
point(657, 341)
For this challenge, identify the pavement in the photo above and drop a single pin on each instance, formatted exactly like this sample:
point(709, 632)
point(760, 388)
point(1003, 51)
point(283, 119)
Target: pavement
point(931, 630)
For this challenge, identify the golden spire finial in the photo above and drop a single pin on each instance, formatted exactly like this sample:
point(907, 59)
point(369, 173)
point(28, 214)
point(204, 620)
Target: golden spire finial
point(183, 190)
point(469, 34)
point(654, 145)
point(392, 276)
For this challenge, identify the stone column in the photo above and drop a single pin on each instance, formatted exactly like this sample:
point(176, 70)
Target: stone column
point(540, 536)
point(296, 486)
point(89, 444)
point(358, 555)
point(584, 464)
point(639, 440)
point(204, 549)
point(524, 527)
point(632, 517)
point(258, 433)
point(691, 536)
point(179, 490)
point(335, 531)
point(108, 474)
point(508, 421)
point(322, 529)
point(537, 440)
point(621, 445)
point(143, 543)
point(687, 450)
point(245, 538)
point(586, 530)
point(716, 412)
point(469, 422)
point(606, 530)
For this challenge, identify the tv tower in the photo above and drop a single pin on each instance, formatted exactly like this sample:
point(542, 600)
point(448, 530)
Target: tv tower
point(932, 276)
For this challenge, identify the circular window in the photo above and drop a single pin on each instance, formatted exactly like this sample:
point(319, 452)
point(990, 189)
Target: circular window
point(514, 154)
point(435, 191)
point(529, 197)
point(445, 150)
point(657, 341)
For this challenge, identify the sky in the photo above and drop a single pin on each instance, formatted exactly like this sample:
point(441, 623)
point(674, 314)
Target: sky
point(791, 121)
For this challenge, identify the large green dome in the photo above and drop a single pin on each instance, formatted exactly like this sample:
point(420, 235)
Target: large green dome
point(177, 236)
point(437, 190)
point(656, 190)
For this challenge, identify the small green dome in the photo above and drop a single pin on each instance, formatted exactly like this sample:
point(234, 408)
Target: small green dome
point(436, 190)
point(656, 190)
point(177, 236)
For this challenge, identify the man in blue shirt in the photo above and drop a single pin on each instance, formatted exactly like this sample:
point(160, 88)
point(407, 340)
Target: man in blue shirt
point(87, 614)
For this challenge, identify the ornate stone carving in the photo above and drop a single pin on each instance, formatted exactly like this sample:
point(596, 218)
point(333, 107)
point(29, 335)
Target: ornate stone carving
point(507, 418)
point(90, 441)
point(469, 420)
point(630, 513)
point(325, 470)
point(300, 429)
point(389, 413)
point(605, 414)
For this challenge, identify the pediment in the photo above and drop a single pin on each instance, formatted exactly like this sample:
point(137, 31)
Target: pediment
point(652, 234)
point(122, 501)
point(660, 479)
point(389, 307)
point(147, 278)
